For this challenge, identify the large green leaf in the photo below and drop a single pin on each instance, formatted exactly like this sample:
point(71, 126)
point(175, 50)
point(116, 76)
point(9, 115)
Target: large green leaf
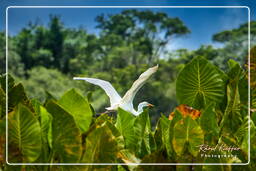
point(46, 126)
point(177, 117)
point(17, 95)
point(162, 134)
point(101, 146)
point(242, 134)
point(66, 143)
point(240, 155)
point(125, 125)
point(24, 135)
point(143, 134)
point(209, 124)
point(232, 117)
point(105, 119)
point(46, 123)
point(45, 120)
point(78, 107)
point(199, 83)
point(187, 132)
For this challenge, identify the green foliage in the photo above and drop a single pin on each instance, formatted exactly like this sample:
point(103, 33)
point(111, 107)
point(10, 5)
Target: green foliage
point(142, 33)
point(209, 123)
point(99, 139)
point(63, 127)
point(66, 142)
point(24, 135)
point(162, 135)
point(236, 42)
point(233, 115)
point(127, 44)
point(143, 135)
point(187, 133)
point(78, 107)
point(199, 83)
point(125, 124)
point(38, 85)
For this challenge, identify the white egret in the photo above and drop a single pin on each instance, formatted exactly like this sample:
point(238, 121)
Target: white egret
point(126, 102)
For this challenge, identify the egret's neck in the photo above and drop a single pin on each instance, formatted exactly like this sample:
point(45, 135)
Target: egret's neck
point(140, 108)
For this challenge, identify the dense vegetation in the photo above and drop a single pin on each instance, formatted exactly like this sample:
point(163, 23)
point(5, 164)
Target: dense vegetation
point(211, 80)
point(67, 130)
point(126, 44)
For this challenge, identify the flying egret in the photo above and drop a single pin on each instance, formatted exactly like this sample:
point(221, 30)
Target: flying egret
point(126, 102)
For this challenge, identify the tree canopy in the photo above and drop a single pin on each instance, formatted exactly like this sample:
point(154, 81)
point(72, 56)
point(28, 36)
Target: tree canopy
point(126, 45)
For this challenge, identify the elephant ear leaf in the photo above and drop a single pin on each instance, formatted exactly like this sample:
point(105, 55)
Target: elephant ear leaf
point(142, 131)
point(66, 142)
point(101, 146)
point(125, 125)
point(209, 123)
point(24, 135)
point(187, 133)
point(78, 107)
point(199, 83)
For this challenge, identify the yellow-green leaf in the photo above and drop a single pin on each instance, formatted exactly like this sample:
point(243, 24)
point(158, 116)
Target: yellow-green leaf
point(78, 107)
point(187, 132)
point(66, 142)
point(24, 134)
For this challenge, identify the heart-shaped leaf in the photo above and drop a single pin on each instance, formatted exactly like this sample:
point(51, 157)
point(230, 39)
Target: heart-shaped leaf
point(199, 83)
point(101, 146)
point(78, 107)
point(187, 132)
point(24, 135)
point(66, 142)
point(125, 125)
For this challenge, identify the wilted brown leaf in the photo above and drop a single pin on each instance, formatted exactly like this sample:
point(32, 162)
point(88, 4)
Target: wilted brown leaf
point(186, 110)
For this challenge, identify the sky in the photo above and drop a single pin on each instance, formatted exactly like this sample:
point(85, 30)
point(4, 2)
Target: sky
point(203, 22)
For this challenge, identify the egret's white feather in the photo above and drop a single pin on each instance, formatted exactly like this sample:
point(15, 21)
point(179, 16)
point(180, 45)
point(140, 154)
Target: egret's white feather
point(106, 86)
point(130, 94)
point(126, 102)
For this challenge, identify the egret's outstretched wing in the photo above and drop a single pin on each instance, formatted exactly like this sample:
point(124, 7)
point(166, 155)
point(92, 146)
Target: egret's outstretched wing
point(130, 94)
point(106, 86)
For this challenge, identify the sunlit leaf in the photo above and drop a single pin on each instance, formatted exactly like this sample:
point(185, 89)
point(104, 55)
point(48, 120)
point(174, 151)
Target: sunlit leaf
point(78, 107)
point(209, 124)
point(24, 135)
point(101, 146)
point(199, 83)
point(45, 120)
point(187, 131)
point(143, 134)
point(162, 135)
point(125, 125)
point(66, 142)
point(232, 117)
